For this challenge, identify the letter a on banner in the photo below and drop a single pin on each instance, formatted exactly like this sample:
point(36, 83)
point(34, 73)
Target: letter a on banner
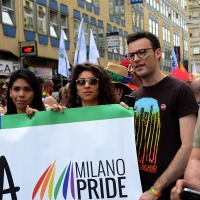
point(12, 190)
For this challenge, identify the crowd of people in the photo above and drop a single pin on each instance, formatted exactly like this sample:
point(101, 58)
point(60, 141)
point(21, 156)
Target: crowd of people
point(165, 111)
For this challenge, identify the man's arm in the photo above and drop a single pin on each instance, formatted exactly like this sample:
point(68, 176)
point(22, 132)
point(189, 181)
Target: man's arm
point(178, 164)
point(192, 176)
point(192, 173)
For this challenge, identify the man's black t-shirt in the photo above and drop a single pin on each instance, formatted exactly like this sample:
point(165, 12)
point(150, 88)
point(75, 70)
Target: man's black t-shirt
point(157, 133)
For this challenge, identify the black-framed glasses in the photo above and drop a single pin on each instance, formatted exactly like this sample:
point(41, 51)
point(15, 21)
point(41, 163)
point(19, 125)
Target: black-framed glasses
point(91, 81)
point(140, 53)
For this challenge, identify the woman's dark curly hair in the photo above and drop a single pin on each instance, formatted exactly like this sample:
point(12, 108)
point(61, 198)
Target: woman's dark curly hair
point(106, 87)
point(35, 86)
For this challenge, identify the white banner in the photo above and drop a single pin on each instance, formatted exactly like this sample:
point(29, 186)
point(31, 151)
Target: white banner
point(92, 159)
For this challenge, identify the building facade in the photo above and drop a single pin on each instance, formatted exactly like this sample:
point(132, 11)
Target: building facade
point(194, 31)
point(30, 30)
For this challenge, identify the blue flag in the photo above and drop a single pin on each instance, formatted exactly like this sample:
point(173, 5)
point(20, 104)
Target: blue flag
point(174, 59)
point(136, 1)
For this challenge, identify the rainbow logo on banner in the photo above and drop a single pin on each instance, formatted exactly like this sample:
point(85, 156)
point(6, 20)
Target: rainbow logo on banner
point(47, 180)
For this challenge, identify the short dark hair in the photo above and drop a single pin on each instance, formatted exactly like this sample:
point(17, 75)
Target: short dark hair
point(34, 84)
point(144, 34)
point(106, 87)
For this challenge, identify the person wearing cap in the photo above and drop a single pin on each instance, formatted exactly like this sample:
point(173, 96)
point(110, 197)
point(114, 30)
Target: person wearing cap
point(136, 80)
point(120, 78)
point(165, 119)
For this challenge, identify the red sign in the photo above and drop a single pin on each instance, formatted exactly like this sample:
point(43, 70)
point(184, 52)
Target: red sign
point(29, 49)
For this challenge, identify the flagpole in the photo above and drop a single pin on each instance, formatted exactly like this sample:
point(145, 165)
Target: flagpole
point(61, 81)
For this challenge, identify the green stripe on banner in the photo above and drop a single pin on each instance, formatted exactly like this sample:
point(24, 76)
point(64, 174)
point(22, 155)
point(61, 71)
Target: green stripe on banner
point(70, 115)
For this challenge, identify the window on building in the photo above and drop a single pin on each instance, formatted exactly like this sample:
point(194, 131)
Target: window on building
point(133, 17)
point(185, 42)
point(28, 15)
point(100, 38)
point(168, 36)
point(196, 50)
point(161, 7)
point(111, 7)
point(117, 50)
point(8, 12)
point(195, 14)
point(96, 3)
point(165, 9)
point(154, 4)
point(116, 8)
point(109, 50)
point(166, 60)
point(76, 28)
point(64, 26)
point(176, 40)
point(53, 23)
point(142, 22)
point(153, 27)
point(184, 4)
point(122, 10)
point(195, 32)
point(42, 20)
point(176, 18)
point(137, 19)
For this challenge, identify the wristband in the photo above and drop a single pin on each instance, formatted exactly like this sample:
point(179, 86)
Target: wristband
point(155, 192)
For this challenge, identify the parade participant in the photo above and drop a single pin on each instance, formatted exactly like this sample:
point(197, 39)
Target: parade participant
point(63, 94)
point(192, 173)
point(3, 107)
point(136, 80)
point(165, 119)
point(90, 86)
point(120, 78)
point(195, 85)
point(24, 93)
point(47, 89)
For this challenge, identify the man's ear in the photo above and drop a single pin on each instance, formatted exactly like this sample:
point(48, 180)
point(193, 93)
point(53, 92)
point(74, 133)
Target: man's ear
point(158, 53)
point(10, 93)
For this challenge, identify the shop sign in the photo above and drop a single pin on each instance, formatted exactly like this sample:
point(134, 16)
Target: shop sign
point(28, 48)
point(42, 72)
point(113, 40)
point(7, 67)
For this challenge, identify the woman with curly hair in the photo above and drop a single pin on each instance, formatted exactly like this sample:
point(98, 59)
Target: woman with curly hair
point(90, 86)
